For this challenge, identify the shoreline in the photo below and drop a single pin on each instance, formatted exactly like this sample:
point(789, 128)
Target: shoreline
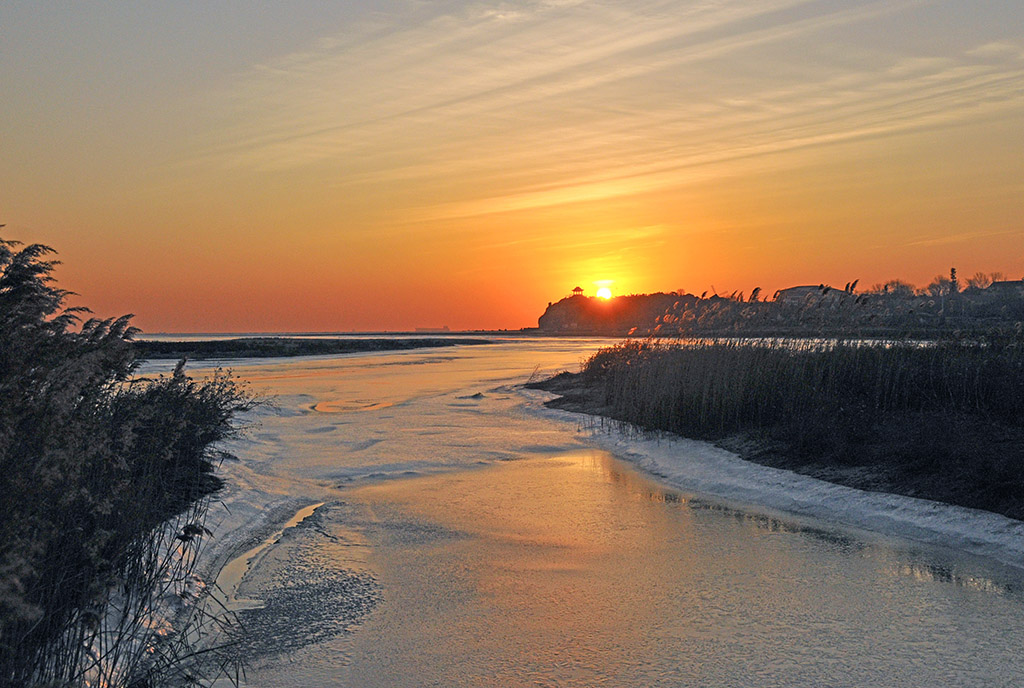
point(710, 469)
point(878, 461)
point(281, 347)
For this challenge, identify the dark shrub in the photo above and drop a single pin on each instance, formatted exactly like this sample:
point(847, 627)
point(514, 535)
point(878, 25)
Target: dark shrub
point(92, 461)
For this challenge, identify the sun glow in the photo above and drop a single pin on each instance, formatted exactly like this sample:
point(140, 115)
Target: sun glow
point(604, 293)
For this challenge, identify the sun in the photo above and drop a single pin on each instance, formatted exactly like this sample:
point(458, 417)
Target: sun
point(604, 293)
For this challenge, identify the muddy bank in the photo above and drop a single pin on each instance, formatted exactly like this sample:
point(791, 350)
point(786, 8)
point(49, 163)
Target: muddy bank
point(276, 347)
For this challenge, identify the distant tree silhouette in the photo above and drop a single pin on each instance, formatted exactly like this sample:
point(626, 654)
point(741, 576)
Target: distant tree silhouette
point(982, 280)
point(939, 286)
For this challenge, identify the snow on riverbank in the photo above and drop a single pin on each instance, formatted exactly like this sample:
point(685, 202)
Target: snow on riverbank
point(696, 466)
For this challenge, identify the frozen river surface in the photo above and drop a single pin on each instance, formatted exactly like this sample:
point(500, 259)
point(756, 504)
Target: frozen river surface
point(415, 519)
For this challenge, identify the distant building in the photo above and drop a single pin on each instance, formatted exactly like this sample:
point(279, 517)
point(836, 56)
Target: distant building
point(577, 291)
point(1006, 289)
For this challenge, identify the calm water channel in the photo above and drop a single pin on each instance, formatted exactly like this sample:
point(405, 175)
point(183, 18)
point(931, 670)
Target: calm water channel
point(412, 519)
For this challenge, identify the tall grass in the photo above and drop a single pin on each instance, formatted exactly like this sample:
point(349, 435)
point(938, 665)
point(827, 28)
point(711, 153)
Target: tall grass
point(948, 411)
point(707, 388)
point(102, 478)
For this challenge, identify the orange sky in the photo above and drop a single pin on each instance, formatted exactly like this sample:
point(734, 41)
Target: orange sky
point(400, 164)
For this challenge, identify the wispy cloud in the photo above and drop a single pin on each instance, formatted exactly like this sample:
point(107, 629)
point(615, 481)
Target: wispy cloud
point(501, 107)
point(964, 237)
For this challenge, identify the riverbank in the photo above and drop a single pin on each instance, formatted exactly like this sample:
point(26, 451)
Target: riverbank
point(937, 423)
point(279, 347)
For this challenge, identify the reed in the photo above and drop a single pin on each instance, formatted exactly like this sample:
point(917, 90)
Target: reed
point(942, 419)
point(103, 478)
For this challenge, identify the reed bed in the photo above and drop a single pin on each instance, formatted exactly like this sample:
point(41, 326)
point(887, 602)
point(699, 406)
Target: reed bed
point(103, 478)
point(941, 419)
point(102, 519)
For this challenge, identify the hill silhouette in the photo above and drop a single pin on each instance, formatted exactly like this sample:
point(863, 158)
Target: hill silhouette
point(620, 315)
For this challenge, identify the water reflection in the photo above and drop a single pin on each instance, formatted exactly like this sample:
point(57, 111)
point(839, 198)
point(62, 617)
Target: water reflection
point(640, 487)
point(925, 572)
point(620, 474)
point(773, 524)
point(578, 571)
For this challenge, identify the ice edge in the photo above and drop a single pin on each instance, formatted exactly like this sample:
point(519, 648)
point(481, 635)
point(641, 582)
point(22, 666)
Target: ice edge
point(698, 466)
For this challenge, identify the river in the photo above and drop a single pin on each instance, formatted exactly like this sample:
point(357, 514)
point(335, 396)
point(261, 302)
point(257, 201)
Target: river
point(416, 519)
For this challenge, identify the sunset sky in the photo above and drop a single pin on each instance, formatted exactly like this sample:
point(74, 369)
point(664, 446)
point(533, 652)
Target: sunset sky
point(322, 166)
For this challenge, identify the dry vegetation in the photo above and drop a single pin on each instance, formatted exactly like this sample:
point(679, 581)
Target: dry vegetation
point(942, 420)
point(93, 464)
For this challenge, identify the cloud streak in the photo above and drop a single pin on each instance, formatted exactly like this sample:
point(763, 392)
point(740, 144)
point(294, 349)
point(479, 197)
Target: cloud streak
point(497, 108)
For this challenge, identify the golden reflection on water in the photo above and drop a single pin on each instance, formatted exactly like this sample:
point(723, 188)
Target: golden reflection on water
point(548, 560)
point(552, 503)
point(577, 570)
